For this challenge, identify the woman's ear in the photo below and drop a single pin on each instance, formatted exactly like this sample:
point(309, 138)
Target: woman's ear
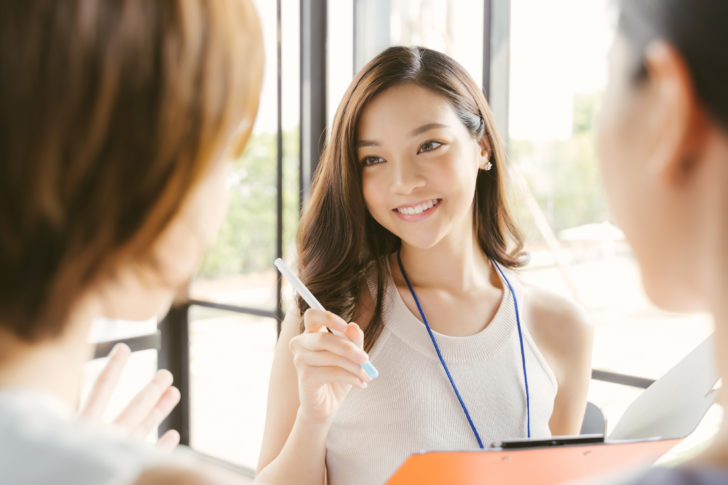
point(484, 158)
point(677, 118)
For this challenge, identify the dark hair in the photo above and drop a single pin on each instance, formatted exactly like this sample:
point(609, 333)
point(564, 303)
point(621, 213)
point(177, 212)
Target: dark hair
point(338, 240)
point(697, 29)
point(110, 112)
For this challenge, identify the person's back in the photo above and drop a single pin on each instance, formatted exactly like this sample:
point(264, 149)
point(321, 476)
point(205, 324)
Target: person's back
point(663, 147)
point(115, 118)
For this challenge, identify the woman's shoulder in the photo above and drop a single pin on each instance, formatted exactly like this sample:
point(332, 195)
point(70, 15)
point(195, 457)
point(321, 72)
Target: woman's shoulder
point(553, 314)
point(41, 442)
point(560, 327)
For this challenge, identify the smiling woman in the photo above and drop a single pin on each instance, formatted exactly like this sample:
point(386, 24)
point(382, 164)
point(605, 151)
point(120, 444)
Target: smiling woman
point(408, 233)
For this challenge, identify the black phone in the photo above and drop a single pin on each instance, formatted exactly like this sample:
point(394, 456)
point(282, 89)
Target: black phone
point(583, 439)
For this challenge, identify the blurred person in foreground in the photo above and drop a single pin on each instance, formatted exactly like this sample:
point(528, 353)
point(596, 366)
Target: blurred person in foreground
point(663, 147)
point(117, 124)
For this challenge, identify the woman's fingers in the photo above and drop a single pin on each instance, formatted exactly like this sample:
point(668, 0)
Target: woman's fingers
point(144, 402)
point(314, 320)
point(169, 440)
point(355, 334)
point(169, 399)
point(145, 411)
point(314, 377)
point(106, 383)
point(328, 359)
point(325, 341)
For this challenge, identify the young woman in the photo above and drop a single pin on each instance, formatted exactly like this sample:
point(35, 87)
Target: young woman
point(408, 234)
point(663, 146)
point(116, 121)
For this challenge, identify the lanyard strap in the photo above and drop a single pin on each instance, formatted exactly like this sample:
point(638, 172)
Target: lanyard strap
point(523, 354)
point(442, 360)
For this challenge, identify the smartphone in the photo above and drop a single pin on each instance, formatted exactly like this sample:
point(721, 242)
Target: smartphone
point(583, 439)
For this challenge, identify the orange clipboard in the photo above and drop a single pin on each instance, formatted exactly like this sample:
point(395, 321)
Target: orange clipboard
point(543, 465)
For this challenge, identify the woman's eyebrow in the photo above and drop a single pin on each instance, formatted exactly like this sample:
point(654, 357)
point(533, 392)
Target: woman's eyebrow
point(427, 127)
point(415, 132)
point(366, 143)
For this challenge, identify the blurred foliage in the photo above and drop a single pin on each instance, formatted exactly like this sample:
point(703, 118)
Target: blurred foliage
point(563, 175)
point(246, 241)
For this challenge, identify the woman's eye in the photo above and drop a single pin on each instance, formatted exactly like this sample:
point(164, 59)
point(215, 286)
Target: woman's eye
point(428, 146)
point(367, 161)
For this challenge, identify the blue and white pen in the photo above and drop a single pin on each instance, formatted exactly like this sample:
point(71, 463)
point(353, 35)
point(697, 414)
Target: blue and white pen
point(314, 303)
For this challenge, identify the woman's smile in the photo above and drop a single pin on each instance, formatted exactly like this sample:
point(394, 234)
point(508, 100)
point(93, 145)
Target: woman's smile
point(417, 211)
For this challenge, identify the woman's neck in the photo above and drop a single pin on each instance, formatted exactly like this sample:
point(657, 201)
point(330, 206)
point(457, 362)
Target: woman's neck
point(456, 268)
point(53, 365)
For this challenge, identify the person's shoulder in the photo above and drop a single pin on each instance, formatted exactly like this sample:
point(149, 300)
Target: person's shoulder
point(65, 450)
point(550, 309)
point(555, 321)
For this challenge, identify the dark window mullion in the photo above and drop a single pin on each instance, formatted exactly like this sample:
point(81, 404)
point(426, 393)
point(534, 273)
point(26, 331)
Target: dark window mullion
point(312, 90)
point(279, 167)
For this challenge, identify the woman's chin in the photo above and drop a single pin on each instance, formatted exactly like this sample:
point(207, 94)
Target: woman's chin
point(666, 294)
point(154, 305)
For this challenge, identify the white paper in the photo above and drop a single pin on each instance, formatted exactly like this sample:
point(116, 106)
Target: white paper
point(673, 406)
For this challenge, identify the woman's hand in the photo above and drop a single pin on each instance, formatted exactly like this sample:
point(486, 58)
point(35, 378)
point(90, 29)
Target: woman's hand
point(327, 365)
point(145, 411)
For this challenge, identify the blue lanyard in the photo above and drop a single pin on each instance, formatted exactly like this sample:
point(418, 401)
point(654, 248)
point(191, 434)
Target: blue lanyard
point(442, 360)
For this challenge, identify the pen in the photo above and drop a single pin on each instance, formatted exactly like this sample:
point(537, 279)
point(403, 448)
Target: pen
point(314, 303)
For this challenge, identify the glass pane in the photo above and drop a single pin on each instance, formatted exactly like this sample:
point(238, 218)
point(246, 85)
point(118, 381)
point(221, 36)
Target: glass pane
point(340, 45)
point(291, 96)
point(557, 79)
point(454, 27)
point(230, 360)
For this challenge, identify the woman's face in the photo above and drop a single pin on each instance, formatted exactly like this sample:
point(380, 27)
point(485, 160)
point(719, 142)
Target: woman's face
point(419, 166)
point(144, 289)
point(634, 147)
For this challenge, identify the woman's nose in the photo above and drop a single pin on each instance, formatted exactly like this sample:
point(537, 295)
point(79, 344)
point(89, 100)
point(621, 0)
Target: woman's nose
point(407, 177)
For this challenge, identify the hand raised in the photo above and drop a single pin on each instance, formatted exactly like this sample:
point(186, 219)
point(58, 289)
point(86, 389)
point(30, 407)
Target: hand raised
point(145, 411)
point(327, 365)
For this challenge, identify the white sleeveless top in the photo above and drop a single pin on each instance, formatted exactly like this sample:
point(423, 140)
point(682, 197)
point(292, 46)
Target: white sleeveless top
point(41, 443)
point(411, 406)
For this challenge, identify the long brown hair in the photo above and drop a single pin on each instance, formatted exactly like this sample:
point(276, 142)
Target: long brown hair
point(338, 240)
point(110, 113)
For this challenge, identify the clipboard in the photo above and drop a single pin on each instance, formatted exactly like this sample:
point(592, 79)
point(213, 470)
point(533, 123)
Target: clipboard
point(543, 465)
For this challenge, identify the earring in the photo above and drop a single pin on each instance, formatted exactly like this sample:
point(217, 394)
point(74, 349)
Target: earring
point(488, 165)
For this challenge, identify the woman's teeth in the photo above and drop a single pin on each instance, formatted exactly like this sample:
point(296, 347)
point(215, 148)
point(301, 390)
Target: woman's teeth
point(418, 209)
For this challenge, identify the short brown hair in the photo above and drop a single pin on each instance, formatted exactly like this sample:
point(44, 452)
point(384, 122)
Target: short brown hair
point(697, 30)
point(338, 240)
point(110, 112)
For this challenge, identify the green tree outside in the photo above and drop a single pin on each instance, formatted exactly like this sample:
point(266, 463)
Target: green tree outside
point(246, 241)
